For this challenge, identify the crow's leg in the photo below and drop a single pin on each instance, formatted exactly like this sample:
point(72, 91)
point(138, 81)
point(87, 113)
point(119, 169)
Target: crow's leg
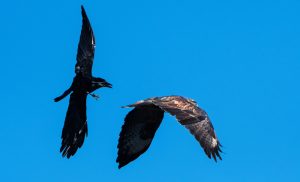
point(94, 96)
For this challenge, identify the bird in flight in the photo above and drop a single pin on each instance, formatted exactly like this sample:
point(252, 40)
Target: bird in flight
point(142, 122)
point(75, 126)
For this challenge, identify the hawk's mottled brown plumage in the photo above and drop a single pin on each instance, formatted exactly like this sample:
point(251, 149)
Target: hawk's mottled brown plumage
point(142, 122)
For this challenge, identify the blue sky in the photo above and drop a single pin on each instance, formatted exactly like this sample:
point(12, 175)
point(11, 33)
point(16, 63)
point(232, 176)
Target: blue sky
point(240, 60)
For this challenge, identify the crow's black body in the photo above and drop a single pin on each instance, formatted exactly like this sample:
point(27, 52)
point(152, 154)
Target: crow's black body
point(75, 127)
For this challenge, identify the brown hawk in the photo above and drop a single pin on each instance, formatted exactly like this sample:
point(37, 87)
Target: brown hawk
point(142, 122)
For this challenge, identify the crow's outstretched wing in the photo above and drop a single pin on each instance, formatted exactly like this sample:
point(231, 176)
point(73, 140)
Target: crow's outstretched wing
point(194, 119)
point(75, 127)
point(86, 48)
point(137, 132)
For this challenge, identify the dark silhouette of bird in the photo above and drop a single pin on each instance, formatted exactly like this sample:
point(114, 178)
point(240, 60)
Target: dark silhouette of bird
point(75, 127)
point(142, 122)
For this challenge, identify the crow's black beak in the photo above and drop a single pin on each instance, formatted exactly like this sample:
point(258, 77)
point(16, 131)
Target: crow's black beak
point(106, 84)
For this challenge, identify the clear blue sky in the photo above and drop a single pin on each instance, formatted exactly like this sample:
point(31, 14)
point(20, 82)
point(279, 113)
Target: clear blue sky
point(239, 60)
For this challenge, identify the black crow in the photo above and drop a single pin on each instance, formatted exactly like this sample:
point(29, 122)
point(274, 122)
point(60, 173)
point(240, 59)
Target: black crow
point(75, 127)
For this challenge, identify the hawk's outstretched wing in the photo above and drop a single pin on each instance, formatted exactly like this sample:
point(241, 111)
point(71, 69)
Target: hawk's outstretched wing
point(131, 142)
point(137, 132)
point(86, 48)
point(193, 118)
point(75, 127)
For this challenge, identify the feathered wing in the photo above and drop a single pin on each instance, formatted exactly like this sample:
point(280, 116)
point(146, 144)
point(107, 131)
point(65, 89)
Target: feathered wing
point(86, 48)
point(75, 127)
point(194, 119)
point(137, 133)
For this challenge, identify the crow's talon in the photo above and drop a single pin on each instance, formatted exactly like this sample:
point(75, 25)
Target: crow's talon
point(95, 96)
